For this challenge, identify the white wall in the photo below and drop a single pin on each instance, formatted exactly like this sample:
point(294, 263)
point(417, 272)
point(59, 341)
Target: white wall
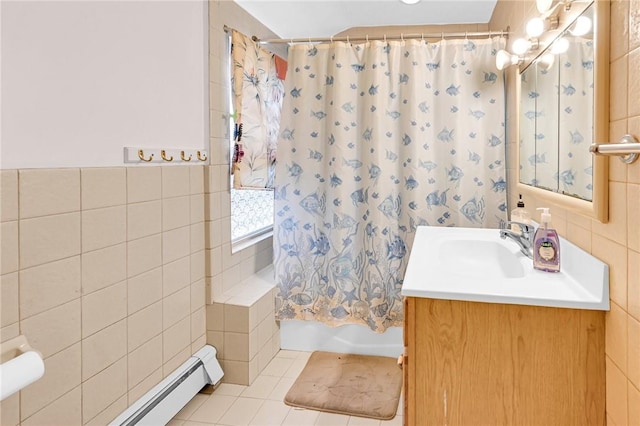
point(83, 79)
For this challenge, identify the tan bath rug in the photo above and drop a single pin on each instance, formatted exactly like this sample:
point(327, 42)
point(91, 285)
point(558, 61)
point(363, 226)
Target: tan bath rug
point(355, 385)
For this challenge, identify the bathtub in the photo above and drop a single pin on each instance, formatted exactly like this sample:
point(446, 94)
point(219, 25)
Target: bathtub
point(311, 336)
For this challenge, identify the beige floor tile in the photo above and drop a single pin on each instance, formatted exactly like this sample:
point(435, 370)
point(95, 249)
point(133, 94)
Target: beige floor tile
point(272, 413)
point(190, 423)
point(260, 388)
point(230, 389)
point(287, 354)
point(396, 421)
point(277, 367)
point(177, 422)
point(331, 419)
point(295, 369)
point(191, 406)
point(361, 421)
point(278, 393)
point(241, 412)
point(213, 409)
point(300, 417)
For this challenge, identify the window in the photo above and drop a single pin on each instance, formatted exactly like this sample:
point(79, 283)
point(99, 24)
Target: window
point(251, 213)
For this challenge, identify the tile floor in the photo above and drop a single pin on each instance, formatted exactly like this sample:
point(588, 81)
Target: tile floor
point(261, 403)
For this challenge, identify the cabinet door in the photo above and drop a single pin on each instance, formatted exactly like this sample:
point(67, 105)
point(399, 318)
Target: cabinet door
point(408, 369)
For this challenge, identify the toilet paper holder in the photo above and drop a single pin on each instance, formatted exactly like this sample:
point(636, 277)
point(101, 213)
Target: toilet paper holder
point(20, 365)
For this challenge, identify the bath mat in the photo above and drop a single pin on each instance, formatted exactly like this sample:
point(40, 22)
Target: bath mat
point(355, 385)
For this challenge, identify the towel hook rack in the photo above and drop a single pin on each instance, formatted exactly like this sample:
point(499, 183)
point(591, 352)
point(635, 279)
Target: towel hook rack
point(627, 148)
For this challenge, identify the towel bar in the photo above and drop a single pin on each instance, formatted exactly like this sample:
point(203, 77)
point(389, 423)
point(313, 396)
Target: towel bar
point(628, 148)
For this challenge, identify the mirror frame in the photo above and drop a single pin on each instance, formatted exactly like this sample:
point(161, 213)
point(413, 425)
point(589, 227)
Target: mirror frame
point(598, 208)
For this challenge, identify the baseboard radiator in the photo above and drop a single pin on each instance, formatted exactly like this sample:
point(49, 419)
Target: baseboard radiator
point(160, 404)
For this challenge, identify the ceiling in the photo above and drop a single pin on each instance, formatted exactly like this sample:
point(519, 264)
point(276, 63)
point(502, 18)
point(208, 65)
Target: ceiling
point(324, 18)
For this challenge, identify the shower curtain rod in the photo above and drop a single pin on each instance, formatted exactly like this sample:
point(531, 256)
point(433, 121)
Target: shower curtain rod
point(385, 38)
point(441, 35)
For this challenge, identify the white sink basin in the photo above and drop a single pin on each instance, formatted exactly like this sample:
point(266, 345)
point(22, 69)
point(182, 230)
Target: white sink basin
point(474, 258)
point(477, 265)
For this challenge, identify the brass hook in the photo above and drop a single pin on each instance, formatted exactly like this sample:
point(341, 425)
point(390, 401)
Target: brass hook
point(201, 157)
point(183, 158)
point(141, 156)
point(163, 154)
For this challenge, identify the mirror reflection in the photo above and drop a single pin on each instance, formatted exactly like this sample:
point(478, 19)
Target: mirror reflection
point(556, 113)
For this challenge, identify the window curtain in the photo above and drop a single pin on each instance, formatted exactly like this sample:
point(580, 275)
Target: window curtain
point(375, 140)
point(257, 102)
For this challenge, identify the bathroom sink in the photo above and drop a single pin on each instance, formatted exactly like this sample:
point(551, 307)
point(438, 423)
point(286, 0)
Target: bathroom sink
point(474, 258)
point(475, 264)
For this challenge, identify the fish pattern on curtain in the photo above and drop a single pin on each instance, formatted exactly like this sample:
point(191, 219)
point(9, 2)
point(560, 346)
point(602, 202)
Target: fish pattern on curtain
point(375, 140)
point(257, 100)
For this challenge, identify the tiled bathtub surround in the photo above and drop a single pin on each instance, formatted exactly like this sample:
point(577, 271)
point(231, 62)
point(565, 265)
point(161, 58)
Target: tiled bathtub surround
point(618, 241)
point(103, 269)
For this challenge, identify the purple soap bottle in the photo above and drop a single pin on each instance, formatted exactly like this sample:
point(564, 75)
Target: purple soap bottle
point(546, 245)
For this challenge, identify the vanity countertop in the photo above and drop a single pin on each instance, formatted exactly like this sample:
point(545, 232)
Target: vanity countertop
point(474, 264)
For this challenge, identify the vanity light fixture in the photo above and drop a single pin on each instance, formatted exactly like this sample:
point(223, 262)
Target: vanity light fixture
point(545, 5)
point(581, 27)
point(521, 46)
point(536, 26)
point(560, 46)
point(505, 59)
point(546, 61)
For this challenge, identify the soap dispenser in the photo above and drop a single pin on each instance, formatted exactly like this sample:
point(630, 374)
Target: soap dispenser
point(519, 214)
point(546, 245)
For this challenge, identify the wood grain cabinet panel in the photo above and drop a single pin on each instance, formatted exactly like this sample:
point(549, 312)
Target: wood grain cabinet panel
point(470, 363)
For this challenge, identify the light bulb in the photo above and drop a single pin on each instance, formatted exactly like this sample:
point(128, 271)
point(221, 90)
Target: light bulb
point(559, 46)
point(410, 1)
point(520, 46)
point(535, 27)
point(582, 26)
point(546, 61)
point(543, 5)
point(505, 59)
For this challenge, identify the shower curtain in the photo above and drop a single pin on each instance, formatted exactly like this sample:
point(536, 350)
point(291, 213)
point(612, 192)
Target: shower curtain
point(375, 140)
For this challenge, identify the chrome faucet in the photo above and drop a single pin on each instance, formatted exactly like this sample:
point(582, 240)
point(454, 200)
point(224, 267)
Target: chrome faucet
point(524, 239)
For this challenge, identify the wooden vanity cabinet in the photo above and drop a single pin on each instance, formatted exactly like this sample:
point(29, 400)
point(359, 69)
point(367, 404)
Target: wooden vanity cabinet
point(472, 363)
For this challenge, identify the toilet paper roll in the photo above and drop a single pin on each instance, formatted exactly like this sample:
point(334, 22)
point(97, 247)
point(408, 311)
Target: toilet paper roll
point(20, 372)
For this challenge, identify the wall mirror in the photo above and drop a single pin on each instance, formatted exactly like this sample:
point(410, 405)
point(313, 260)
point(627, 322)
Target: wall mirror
point(563, 108)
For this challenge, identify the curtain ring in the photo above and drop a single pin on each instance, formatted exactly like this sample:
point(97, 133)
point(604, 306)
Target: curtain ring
point(200, 156)
point(183, 158)
point(163, 154)
point(141, 156)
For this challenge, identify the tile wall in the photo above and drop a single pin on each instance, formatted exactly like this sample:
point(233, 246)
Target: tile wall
point(225, 269)
point(618, 241)
point(103, 269)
